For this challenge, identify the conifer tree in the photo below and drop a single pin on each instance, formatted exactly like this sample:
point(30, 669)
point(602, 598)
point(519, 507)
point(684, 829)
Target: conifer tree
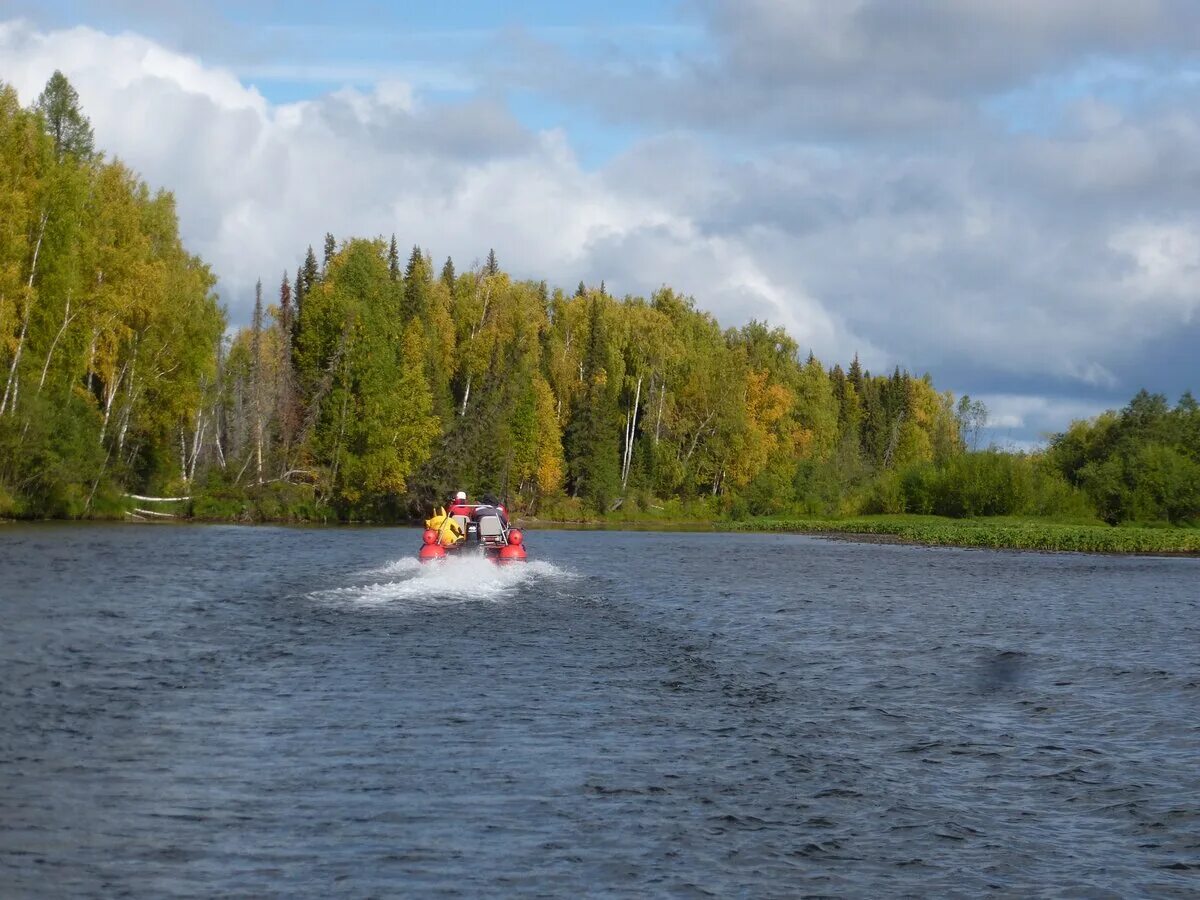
point(448, 274)
point(298, 295)
point(393, 260)
point(592, 437)
point(416, 287)
point(65, 122)
point(856, 375)
point(330, 250)
point(286, 313)
point(310, 271)
point(285, 406)
point(491, 267)
point(581, 291)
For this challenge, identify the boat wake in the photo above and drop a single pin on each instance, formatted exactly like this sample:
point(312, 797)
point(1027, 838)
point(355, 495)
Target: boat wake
point(458, 580)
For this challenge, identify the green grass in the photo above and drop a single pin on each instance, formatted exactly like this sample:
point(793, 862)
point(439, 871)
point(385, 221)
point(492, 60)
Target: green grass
point(1006, 533)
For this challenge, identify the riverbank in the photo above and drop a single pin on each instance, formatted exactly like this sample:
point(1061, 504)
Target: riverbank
point(936, 531)
point(995, 534)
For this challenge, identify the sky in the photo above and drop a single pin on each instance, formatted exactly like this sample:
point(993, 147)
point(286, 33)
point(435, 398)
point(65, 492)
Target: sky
point(1002, 193)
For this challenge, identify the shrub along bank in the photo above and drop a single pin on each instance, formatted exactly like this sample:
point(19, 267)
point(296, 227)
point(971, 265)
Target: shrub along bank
point(997, 534)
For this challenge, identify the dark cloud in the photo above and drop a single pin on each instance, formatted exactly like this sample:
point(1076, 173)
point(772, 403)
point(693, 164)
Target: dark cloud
point(813, 70)
point(938, 48)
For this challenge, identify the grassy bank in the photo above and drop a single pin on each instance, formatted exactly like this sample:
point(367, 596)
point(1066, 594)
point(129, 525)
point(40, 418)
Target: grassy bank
point(998, 534)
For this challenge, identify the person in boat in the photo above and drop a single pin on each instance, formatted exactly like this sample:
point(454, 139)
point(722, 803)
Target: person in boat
point(491, 507)
point(459, 505)
point(449, 532)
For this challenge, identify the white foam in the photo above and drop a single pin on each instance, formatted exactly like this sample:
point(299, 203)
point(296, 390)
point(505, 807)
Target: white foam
point(464, 579)
point(402, 566)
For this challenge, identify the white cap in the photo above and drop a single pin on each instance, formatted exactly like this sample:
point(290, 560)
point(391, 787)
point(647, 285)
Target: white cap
point(461, 495)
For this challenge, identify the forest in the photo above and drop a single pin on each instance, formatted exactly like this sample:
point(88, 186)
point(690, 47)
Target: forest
point(370, 384)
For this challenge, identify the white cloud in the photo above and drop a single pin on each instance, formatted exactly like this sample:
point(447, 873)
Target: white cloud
point(985, 258)
point(257, 182)
point(1167, 264)
point(1026, 411)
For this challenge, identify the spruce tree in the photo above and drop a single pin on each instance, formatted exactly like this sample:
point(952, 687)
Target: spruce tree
point(393, 261)
point(592, 436)
point(581, 291)
point(285, 399)
point(330, 250)
point(415, 286)
point(310, 271)
point(856, 375)
point(298, 294)
point(256, 322)
point(491, 267)
point(285, 305)
point(837, 378)
point(65, 122)
point(448, 274)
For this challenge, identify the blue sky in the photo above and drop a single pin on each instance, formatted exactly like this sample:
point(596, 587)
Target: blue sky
point(292, 52)
point(1005, 193)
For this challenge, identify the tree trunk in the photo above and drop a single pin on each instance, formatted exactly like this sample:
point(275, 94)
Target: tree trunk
point(220, 449)
point(95, 484)
point(10, 385)
point(129, 395)
point(696, 437)
point(662, 396)
point(631, 430)
point(182, 455)
point(487, 299)
point(466, 396)
point(197, 444)
point(91, 374)
point(337, 451)
point(110, 395)
point(258, 445)
point(67, 317)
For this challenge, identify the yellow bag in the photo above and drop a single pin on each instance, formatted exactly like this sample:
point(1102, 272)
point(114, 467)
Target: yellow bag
point(447, 527)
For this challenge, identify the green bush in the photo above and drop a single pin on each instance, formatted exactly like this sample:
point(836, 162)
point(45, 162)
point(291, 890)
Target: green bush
point(986, 483)
point(278, 501)
point(1030, 535)
point(771, 492)
point(887, 495)
point(51, 461)
point(1139, 465)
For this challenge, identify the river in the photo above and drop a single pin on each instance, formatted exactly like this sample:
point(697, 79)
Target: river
point(211, 710)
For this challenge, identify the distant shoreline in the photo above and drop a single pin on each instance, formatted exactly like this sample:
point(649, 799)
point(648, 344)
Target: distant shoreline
point(1028, 535)
point(932, 531)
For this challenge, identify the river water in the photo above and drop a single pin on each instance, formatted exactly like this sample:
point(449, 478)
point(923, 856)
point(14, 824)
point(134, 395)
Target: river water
point(198, 711)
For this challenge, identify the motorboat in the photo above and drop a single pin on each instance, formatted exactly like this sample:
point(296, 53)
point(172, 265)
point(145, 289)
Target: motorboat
point(479, 528)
